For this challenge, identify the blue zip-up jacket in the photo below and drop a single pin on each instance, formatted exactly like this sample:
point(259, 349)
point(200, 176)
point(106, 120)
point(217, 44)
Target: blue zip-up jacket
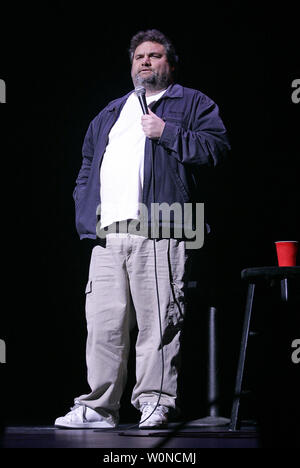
point(194, 136)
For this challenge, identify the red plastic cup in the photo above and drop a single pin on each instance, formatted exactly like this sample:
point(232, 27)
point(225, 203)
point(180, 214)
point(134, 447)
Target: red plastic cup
point(286, 252)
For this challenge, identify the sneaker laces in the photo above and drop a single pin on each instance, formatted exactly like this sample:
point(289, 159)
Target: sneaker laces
point(74, 409)
point(149, 408)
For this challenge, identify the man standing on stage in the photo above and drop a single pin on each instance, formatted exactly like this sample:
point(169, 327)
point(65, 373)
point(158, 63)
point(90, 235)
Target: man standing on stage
point(131, 160)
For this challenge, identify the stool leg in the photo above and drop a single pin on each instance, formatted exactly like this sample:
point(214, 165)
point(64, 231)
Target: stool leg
point(241, 364)
point(284, 289)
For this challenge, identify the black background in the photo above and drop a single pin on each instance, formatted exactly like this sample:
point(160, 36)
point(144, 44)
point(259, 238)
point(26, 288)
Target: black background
point(62, 63)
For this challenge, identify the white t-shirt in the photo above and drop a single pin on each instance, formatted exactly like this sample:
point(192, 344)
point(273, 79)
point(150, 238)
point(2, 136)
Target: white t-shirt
point(122, 168)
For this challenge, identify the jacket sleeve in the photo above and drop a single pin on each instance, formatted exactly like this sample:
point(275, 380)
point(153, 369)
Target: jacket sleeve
point(204, 143)
point(87, 157)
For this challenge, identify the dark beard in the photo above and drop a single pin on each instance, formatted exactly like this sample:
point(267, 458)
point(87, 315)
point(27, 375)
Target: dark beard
point(154, 82)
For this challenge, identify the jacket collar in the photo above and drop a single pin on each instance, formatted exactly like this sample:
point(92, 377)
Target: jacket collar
point(113, 105)
point(174, 91)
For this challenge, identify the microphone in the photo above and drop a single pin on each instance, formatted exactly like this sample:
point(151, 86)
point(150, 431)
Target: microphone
point(140, 92)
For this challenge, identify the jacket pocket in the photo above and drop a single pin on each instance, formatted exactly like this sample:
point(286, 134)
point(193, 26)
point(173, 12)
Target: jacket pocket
point(175, 117)
point(178, 181)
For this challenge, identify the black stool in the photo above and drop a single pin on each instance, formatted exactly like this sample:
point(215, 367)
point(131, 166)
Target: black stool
point(253, 276)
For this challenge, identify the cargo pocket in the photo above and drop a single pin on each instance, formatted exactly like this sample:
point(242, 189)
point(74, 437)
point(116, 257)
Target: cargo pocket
point(174, 315)
point(89, 287)
point(177, 304)
point(89, 299)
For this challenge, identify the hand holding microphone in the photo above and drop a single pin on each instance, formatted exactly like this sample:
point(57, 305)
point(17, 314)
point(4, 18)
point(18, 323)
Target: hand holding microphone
point(153, 125)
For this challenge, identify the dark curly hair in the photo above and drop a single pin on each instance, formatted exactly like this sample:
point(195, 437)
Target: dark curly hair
point(153, 35)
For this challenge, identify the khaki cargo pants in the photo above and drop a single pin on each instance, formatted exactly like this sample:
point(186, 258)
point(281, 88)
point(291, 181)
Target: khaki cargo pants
point(121, 291)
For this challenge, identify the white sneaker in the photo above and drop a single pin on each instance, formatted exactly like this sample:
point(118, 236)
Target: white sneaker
point(158, 418)
point(82, 417)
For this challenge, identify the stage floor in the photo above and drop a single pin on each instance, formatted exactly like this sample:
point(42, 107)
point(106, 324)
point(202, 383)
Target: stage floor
point(179, 437)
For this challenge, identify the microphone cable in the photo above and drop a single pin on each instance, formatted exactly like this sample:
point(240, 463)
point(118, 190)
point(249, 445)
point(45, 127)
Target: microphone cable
point(158, 302)
point(156, 222)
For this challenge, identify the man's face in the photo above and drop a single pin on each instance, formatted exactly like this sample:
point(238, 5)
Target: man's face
point(150, 67)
